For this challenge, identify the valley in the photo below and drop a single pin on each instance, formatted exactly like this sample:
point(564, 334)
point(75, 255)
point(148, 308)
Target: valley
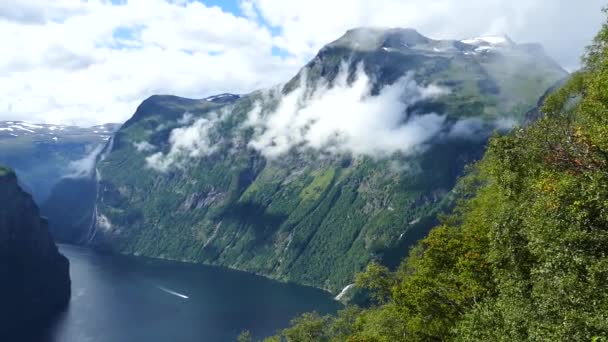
point(170, 300)
point(390, 187)
point(226, 182)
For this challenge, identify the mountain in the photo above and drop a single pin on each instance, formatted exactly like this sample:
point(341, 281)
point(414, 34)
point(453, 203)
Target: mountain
point(70, 208)
point(34, 276)
point(347, 162)
point(522, 257)
point(42, 154)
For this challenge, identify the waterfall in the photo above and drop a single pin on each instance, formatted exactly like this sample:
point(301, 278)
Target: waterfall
point(344, 291)
point(96, 217)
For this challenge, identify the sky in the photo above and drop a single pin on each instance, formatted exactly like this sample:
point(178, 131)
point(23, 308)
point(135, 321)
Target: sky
point(91, 62)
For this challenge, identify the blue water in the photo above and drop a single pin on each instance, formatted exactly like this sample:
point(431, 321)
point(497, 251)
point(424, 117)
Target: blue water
point(128, 299)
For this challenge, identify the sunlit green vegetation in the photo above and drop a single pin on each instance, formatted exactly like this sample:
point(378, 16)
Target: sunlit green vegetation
point(523, 256)
point(307, 217)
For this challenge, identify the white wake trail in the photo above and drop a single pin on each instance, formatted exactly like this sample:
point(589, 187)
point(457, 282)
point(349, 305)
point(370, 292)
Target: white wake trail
point(172, 292)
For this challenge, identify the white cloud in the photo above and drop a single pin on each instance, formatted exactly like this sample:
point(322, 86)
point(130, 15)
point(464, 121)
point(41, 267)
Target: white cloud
point(90, 62)
point(478, 129)
point(86, 166)
point(338, 118)
point(186, 143)
point(186, 118)
point(31, 11)
point(93, 62)
point(342, 118)
point(144, 146)
point(346, 118)
point(564, 27)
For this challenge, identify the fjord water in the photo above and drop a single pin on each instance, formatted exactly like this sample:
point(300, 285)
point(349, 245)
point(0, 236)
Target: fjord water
point(118, 298)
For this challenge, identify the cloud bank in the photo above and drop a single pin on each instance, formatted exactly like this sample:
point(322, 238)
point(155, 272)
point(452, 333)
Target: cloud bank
point(85, 167)
point(144, 146)
point(341, 118)
point(346, 118)
point(186, 143)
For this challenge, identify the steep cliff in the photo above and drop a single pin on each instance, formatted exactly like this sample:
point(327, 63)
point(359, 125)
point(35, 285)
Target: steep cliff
point(347, 162)
point(34, 276)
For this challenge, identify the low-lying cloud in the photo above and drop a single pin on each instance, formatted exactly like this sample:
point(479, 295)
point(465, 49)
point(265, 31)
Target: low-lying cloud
point(85, 167)
point(478, 129)
point(144, 146)
point(186, 143)
point(338, 117)
point(346, 118)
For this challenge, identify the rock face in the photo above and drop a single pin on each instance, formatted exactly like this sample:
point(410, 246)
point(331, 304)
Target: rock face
point(34, 276)
point(70, 209)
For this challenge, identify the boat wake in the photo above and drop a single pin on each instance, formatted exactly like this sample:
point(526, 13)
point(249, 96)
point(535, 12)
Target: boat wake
point(164, 289)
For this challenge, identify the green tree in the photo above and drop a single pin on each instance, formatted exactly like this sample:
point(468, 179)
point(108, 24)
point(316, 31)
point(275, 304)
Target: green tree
point(245, 336)
point(523, 256)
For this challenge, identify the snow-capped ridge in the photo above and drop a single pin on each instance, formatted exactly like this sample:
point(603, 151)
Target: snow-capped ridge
point(502, 40)
point(372, 38)
point(222, 98)
point(47, 132)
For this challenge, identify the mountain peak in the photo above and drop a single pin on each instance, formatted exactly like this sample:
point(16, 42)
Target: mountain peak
point(372, 38)
point(222, 98)
point(499, 40)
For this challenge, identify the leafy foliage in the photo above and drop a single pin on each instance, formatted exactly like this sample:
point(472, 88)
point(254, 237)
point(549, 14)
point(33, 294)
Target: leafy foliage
point(523, 255)
point(5, 171)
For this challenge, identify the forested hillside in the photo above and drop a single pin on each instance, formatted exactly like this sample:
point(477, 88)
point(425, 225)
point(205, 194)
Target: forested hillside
point(347, 162)
point(523, 257)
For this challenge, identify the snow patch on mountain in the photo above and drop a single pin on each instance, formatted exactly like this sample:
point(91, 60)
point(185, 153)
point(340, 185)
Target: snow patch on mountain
point(488, 40)
point(29, 125)
point(53, 132)
point(222, 98)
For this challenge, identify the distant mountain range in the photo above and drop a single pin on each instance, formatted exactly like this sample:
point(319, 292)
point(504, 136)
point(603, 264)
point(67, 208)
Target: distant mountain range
point(52, 133)
point(42, 154)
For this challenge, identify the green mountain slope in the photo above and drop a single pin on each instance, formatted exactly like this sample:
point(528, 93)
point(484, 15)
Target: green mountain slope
point(228, 181)
point(523, 255)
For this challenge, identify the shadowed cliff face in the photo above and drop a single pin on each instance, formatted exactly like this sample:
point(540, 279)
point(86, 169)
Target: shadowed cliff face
point(34, 276)
point(70, 209)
